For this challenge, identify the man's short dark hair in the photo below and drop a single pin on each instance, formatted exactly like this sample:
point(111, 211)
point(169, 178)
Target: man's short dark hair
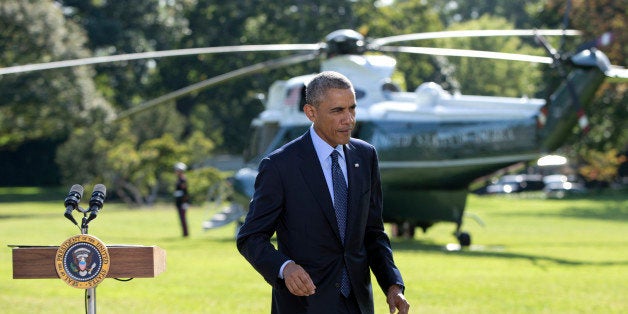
point(324, 81)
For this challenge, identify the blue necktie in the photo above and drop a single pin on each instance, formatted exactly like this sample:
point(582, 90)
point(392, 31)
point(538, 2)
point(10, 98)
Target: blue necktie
point(340, 206)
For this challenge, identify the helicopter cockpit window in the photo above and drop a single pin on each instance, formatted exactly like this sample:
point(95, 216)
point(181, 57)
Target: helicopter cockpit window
point(388, 88)
point(263, 136)
point(295, 97)
point(359, 94)
point(302, 100)
point(270, 136)
point(292, 132)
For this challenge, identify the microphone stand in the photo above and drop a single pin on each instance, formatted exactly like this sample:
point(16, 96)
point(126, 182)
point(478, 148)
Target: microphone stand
point(95, 204)
point(90, 293)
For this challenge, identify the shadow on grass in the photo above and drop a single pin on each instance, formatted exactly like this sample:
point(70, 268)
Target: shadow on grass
point(494, 252)
point(419, 247)
point(32, 194)
point(613, 209)
point(198, 238)
point(28, 215)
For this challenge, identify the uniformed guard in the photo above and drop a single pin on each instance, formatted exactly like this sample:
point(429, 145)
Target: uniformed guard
point(181, 196)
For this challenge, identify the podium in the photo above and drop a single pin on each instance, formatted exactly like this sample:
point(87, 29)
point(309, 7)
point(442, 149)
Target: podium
point(83, 261)
point(124, 261)
point(127, 261)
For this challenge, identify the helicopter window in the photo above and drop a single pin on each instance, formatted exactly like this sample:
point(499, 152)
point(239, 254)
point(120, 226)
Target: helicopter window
point(359, 94)
point(295, 97)
point(302, 100)
point(294, 132)
point(390, 87)
point(262, 137)
point(285, 135)
point(269, 137)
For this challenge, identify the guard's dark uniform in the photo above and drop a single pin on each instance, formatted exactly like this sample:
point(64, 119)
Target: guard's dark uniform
point(181, 201)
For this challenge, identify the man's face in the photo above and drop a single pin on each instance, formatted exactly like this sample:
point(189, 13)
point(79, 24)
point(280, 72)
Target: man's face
point(334, 118)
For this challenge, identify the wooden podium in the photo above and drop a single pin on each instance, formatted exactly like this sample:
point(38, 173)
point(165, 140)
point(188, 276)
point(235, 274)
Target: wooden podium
point(36, 262)
point(83, 261)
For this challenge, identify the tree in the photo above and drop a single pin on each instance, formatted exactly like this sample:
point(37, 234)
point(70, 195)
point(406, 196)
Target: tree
point(403, 17)
point(138, 151)
point(116, 27)
point(49, 104)
point(494, 77)
point(516, 12)
point(601, 167)
point(137, 171)
point(229, 108)
point(608, 114)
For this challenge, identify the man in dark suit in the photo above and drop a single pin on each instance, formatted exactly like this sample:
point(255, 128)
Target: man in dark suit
point(321, 195)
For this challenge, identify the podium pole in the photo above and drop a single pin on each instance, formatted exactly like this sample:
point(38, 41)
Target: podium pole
point(91, 292)
point(91, 301)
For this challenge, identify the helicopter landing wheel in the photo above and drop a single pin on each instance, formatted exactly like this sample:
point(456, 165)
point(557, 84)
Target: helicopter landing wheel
point(408, 230)
point(403, 230)
point(464, 238)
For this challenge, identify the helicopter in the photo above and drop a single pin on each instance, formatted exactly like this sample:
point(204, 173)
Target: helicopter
point(431, 144)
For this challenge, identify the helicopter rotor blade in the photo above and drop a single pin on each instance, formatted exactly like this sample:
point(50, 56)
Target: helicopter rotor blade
point(258, 67)
point(376, 43)
point(468, 53)
point(158, 54)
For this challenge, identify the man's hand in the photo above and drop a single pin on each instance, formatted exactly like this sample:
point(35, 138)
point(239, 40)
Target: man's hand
point(396, 300)
point(298, 280)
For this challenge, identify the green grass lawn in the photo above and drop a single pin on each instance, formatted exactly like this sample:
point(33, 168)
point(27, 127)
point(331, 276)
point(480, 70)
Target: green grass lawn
point(531, 256)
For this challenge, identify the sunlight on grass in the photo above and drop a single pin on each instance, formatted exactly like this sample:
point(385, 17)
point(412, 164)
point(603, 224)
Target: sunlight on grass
point(531, 256)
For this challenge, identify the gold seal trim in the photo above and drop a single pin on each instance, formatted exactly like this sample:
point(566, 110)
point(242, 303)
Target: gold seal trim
point(82, 261)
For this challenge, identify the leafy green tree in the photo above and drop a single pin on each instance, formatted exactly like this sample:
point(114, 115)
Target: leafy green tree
point(42, 106)
point(118, 27)
point(46, 104)
point(82, 157)
point(403, 17)
point(601, 167)
point(516, 12)
point(608, 114)
point(138, 173)
point(489, 76)
point(201, 182)
point(235, 103)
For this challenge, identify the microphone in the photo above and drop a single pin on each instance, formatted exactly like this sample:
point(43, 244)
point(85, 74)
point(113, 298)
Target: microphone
point(72, 200)
point(96, 202)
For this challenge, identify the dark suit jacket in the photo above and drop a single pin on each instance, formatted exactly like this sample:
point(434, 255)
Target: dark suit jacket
point(292, 200)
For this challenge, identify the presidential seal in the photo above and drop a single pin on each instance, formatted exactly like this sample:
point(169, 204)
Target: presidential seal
point(82, 261)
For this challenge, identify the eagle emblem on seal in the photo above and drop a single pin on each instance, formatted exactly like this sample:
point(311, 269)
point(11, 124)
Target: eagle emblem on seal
point(82, 263)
